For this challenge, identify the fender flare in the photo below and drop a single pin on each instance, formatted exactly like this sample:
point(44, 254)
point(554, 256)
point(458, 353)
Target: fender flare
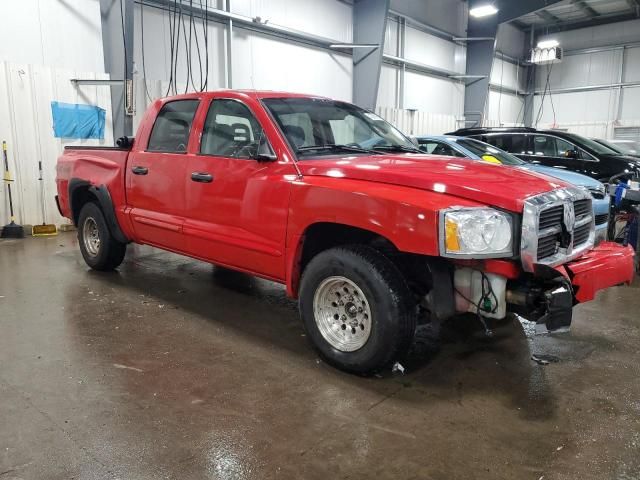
point(106, 205)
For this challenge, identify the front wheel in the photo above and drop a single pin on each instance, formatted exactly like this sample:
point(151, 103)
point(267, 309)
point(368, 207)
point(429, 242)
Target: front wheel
point(98, 247)
point(357, 309)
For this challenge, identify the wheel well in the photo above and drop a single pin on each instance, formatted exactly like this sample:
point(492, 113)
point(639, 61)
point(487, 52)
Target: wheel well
point(323, 236)
point(79, 197)
point(418, 270)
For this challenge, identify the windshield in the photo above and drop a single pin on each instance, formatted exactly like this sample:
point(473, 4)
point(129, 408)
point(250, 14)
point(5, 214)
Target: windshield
point(628, 147)
point(482, 149)
point(589, 144)
point(316, 126)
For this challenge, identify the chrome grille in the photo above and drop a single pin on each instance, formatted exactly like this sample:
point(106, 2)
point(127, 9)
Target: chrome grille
point(556, 227)
point(582, 207)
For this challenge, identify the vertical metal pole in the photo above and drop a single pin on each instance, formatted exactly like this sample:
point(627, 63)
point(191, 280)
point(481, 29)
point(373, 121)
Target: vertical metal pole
point(117, 63)
point(402, 30)
point(531, 86)
point(369, 26)
point(480, 57)
point(620, 95)
point(228, 54)
point(129, 101)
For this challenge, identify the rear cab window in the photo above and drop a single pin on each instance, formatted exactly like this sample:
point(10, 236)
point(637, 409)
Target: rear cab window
point(170, 133)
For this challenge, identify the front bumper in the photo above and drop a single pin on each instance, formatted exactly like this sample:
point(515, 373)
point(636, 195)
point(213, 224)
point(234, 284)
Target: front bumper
point(606, 265)
point(547, 295)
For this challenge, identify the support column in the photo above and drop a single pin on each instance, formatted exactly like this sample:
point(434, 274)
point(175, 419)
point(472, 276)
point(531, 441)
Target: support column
point(117, 31)
point(531, 86)
point(369, 25)
point(479, 62)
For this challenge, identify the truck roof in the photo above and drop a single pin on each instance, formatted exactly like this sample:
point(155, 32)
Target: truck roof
point(248, 92)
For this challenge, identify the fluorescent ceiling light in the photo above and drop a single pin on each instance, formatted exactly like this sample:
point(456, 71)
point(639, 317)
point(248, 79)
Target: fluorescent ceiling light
point(483, 11)
point(548, 43)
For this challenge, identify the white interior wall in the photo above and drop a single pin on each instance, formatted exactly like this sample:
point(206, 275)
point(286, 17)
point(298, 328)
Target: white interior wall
point(504, 109)
point(259, 61)
point(27, 125)
point(507, 74)
point(436, 52)
point(43, 44)
point(418, 123)
point(594, 113)
point(433, 94)
point(265, 63)
point(326, 18)
point(429, 95)
point(64, 34)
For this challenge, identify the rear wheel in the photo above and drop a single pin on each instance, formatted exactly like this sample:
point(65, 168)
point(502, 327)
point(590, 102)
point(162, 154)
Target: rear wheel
point(99, 249)
point(357, 309)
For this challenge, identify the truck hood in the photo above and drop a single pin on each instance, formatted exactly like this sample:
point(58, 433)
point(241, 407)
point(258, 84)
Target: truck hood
point(481, 182)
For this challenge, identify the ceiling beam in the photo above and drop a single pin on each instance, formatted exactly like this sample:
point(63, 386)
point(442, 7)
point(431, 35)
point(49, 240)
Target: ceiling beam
point(511, 9)
point(548, 16)
point(592, 22)
point(586, 9)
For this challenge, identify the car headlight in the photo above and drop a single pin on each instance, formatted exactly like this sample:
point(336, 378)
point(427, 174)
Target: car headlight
point(475, 233)
point(597, 192)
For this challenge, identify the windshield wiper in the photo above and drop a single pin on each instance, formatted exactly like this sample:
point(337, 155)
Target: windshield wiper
point(334, 146)
point(398, 148)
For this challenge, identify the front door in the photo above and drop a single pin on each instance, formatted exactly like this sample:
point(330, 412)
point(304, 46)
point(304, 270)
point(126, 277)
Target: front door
point(155, 178)
point(237, 206)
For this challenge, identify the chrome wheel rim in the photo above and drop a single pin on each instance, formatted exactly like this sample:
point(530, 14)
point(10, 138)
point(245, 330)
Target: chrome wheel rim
point(342, 314)
point(91, 236)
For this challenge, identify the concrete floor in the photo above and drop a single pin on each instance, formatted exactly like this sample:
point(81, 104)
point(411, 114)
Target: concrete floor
point(171, 369)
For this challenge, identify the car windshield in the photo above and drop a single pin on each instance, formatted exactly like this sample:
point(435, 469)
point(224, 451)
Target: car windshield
point(588, 144)
point(625, 147)
point(316, 126)
point(483, 150)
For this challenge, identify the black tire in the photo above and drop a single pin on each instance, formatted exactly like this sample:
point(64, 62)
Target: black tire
point(393, 307)
point(109, 253)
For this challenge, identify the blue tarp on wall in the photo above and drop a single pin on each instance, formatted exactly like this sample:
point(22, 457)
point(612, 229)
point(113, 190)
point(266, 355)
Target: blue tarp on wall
point(74, 120)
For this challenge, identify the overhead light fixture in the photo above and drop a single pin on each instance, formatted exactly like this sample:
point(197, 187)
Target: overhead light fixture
point(548, 43)
point(483, 11)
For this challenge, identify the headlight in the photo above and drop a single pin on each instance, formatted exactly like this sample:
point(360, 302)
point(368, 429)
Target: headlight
point(475, 233)
point(598, 192)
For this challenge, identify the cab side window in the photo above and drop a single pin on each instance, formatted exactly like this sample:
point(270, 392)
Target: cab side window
point(230, 130)
point(547, 146)
point(438, 148)
point(512, 143)
point(170, 133)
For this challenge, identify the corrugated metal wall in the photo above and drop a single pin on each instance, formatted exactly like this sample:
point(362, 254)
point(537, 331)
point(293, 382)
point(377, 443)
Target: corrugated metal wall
point(26, 92)
point(612, 57)
point(418, 123)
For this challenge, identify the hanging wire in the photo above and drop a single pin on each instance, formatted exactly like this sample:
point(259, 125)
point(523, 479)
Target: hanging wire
point(144, 69)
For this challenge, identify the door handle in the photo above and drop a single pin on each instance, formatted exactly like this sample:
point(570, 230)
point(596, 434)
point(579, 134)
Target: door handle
point(140, 170)
point(201, 177)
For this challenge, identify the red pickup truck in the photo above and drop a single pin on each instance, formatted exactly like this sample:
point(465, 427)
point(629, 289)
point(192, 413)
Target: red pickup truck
point(327, 198)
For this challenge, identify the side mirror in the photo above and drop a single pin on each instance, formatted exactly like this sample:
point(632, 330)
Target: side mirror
point(571, 154)
point(265, 152)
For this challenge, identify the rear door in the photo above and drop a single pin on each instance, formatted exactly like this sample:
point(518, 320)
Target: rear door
point(552, 151)
point(518, 144)
point(155, 179)
point(236, 205)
